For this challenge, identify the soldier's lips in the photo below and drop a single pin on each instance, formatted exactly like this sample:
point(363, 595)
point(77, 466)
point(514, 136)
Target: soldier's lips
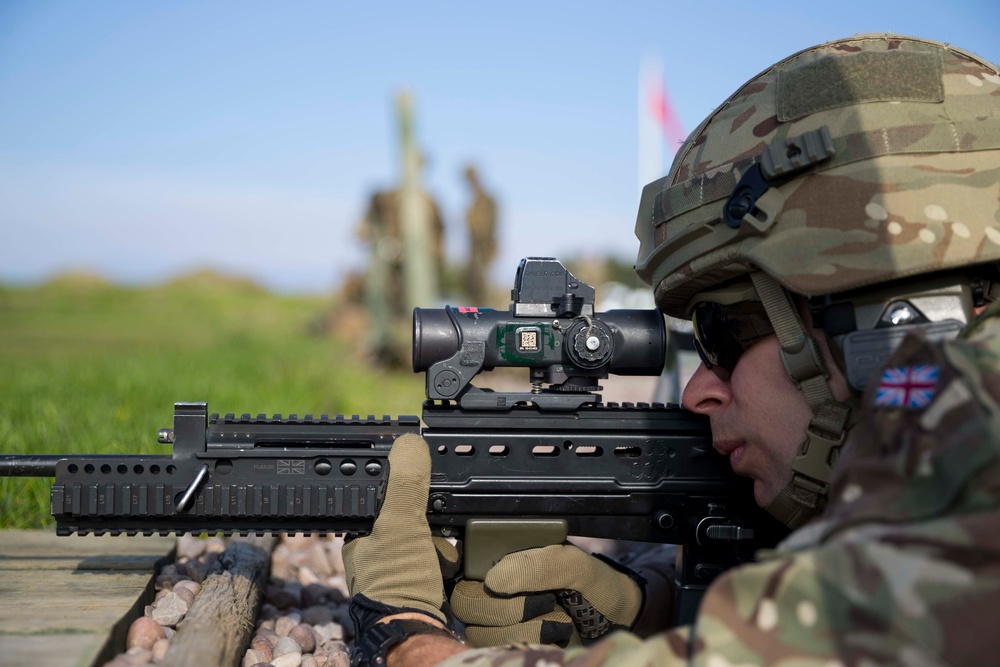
point(734, 449)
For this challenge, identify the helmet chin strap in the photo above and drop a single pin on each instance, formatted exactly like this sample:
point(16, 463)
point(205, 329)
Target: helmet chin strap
point(805, 494)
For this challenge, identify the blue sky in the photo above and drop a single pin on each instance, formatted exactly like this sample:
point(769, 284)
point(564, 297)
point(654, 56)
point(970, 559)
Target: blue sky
point(143, 139)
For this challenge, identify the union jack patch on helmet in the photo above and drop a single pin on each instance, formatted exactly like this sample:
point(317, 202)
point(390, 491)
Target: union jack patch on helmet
point(907, 386)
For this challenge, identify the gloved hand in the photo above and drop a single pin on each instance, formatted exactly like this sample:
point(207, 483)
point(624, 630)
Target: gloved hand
point(396, 568)
point(545, 596)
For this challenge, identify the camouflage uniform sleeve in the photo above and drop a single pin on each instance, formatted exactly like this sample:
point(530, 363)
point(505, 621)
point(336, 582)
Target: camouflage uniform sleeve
point(623, 649)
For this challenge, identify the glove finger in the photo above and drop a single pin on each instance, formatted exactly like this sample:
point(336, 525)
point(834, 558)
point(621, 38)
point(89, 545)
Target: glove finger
point(564, 566)
point(409, 483)
point(554, 628)
point(544, 568)
point(449, 557)
point(473, 604)
point(397, 564)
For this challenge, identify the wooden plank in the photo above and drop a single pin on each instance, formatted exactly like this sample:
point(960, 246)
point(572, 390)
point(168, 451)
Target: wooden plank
point(65, 600)
point(216, 629)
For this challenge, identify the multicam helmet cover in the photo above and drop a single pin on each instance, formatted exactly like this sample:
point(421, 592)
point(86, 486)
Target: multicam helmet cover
point(877, 157)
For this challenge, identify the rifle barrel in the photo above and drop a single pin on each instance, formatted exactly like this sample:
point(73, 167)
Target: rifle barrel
point(29, 465)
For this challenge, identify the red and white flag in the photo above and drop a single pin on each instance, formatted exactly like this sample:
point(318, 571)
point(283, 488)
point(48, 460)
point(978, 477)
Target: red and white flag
point(659, 124)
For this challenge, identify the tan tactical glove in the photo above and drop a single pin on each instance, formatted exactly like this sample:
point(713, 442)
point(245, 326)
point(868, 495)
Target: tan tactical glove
point(396, 568)
point(548, 595)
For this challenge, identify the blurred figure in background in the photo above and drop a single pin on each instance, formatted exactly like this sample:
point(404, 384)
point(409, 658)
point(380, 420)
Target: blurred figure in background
point(481, 219)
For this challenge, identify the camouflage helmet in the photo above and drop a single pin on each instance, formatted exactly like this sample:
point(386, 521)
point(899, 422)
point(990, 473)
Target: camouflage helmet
point(848, 164)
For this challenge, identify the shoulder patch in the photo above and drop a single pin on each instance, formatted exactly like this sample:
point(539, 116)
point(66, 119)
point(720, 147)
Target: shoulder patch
point(908, 387)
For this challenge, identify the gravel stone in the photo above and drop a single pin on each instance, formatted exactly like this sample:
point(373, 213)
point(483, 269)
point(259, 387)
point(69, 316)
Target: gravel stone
point(169, 610)
point(254, 657)
point(190, 585)
point(286, 645)
point(160, 649)
point(284, 625)
point(304, 637)
point(317, 615)
point(143, 633)
point(287, 660)
point(263, 645)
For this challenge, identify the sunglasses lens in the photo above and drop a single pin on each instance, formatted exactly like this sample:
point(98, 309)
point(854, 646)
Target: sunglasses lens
point(723, 333)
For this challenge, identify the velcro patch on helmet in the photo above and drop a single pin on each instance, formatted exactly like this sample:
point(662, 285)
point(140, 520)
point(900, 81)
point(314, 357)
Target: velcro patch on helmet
point(836, 81)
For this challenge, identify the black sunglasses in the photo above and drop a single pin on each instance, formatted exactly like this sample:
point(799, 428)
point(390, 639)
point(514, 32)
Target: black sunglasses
point(722, 333)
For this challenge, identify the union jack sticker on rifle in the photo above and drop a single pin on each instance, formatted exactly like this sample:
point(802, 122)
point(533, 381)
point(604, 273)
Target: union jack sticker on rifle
point(907, 386)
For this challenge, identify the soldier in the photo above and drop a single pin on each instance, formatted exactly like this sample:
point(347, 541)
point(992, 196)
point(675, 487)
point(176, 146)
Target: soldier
point(832, 230)
point(482, 221)
point(385, 296)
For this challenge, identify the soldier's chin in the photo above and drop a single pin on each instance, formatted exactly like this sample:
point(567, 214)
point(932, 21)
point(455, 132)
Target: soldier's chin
point(763, 493)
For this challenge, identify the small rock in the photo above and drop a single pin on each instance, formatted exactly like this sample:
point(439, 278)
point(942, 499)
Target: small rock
point(337, 586)
point(215, 545)
point(143, 633)
point(284, 624)
point(192, 586)
point(119, 661)
point(329, 651)
point(168, 577)
point(263, 645)
point(283, 597)
point(329, 632)
point(281, 566)
point(339, 660)
point(196, 570)
point(306, 577)
point(160, 649)
point(309, 661)
point(184, 594)
point(318, 561)
point(333, 550)
point(169, 610)
point(170, 632)
point(286, 645)
point(138, 655)
point(338, 648)
point(314, 595)
point(287, 660)
point(189, 546)
point(271, 635)
point(304, 637)
point(253, 657)
point(210, 560)
point(317, 614)
point(268, 611)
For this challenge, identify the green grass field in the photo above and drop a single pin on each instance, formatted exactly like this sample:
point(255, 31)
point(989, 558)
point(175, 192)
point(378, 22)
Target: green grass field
point(89, 367)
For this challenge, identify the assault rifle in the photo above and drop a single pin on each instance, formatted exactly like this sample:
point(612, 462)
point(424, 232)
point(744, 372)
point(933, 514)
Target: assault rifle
point(510, 470)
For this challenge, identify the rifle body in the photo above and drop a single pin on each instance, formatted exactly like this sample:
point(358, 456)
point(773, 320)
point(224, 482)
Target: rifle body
point(629, 472)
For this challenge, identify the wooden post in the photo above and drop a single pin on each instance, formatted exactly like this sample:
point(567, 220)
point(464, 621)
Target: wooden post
point(414, 217)
point(218, 626)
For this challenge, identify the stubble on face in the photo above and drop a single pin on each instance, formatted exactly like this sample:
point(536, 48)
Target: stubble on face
point(764, 424)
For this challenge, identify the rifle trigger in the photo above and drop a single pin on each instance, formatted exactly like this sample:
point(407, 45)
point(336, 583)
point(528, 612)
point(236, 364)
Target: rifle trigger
point(187, 498)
